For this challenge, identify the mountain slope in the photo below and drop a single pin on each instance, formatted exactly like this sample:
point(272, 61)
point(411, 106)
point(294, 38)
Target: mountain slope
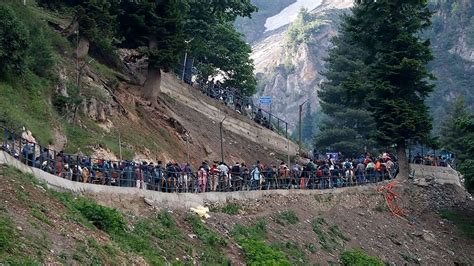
point(97, 110)
point(289, 67)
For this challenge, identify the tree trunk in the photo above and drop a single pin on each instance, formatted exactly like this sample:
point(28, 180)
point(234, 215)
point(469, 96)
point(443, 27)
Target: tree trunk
point(152, 85)
point(82, 48)
point(404, 167)
point(151, 88)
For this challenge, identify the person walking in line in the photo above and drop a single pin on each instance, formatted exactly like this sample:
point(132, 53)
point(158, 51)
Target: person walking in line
point(213, 180)
point(202, 179)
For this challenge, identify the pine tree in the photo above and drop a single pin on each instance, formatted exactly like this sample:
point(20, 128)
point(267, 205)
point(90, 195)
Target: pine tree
point(348, 125)
point(398, 75)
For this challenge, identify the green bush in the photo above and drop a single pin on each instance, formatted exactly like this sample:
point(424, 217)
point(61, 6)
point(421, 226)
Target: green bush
point(358, 257)
point(259, 253)
point(256, 251)
point(256, 231)
point(106, 219)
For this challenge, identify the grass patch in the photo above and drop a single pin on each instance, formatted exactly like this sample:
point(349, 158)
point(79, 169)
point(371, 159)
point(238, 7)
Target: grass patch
point(231, 208)
point(322, 238)
point(358, 257)
point(20, 107)
point(463, 222)
point(15, 250)
point(257, 252)
point(103, 70)
point(329, 236)
point(335, 232)
point(39, 214)
point(207, 236)
point(286, 217)
point(293, 252)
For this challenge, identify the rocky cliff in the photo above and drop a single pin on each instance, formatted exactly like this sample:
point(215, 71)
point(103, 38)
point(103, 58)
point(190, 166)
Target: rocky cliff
point(289, 59)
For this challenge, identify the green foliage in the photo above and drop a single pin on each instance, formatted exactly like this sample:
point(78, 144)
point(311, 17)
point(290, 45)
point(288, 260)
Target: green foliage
point(287, 217)
point(30, 109)
point(347, 125)
point(359, 258)
point(216, 44)
point(104, 218)
point(259, 253)
point(207, 236)
point(329, 236)
point(384, 75)
point(303, 29)
point(463, 222)
point(457, 136)
point(39, 214)
point(293, 251)
point(156, 27)
point(251, 239)
point(14, 42)
point(231, 208)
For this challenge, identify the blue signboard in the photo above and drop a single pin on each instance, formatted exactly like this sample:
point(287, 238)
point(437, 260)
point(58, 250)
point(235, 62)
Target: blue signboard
point(265, 100)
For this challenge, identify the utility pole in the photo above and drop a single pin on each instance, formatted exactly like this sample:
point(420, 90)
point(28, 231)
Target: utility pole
point(120, 146)
point(187, 145)
point(222, 142)
point(299, 128)
point(185, 57)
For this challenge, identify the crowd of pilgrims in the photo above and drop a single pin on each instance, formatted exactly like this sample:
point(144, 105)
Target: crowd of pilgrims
point(216, 176)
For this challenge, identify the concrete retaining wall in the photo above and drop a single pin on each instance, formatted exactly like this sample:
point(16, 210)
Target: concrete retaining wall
point(121, 195)
point(441, 175)
point(234, 122)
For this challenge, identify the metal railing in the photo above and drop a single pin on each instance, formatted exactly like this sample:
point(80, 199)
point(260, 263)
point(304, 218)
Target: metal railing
point(175, 178)
point(231, 98)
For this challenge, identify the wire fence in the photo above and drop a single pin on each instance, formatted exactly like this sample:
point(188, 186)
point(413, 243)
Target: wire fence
point(182, 179)
point(232, 98)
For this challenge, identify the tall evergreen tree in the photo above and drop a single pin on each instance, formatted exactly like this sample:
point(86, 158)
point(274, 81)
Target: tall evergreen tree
point(348, 125)
point(398, 75)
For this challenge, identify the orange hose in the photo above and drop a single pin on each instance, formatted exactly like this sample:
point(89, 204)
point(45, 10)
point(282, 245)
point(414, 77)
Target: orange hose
point(392, 199)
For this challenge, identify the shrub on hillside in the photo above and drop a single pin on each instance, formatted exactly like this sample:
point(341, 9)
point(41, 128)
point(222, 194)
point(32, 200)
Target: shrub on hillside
point(106, 219)
point(358, 257)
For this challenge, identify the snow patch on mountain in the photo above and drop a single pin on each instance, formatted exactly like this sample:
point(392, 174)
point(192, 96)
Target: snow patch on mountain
point(290, 13)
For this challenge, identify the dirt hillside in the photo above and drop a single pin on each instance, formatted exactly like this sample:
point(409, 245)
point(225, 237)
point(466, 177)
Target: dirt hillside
point(436, 228)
